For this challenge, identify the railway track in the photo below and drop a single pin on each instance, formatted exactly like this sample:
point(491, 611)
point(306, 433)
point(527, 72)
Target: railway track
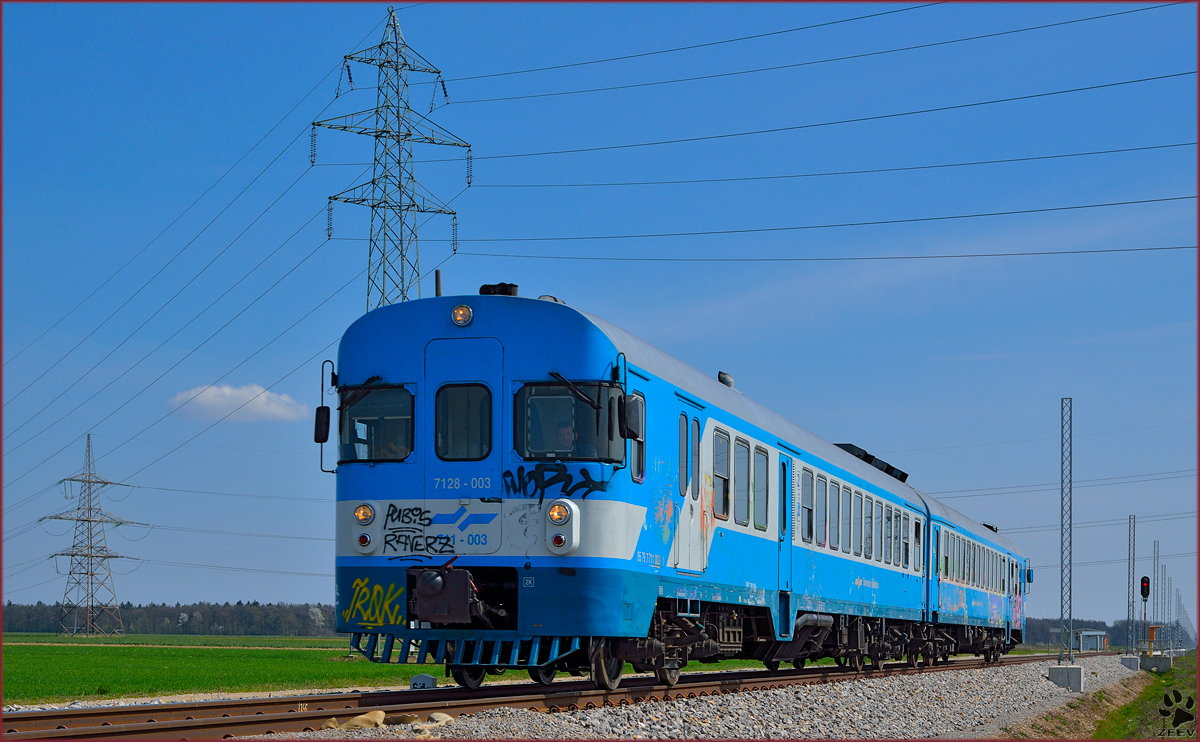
point(223, 719)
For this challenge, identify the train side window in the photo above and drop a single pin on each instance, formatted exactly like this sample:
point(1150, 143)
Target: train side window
point(762, 495)
point(721, 475)
point(637, 446)
point(879, 531)
point(917, 553)
point(683, 453)
point(896, 537)
point(834, 519)
point(820, 511)
point(858, 525)
point(1004, 575)
point(806, 505)
point(868, 529)
point(741, 483)
point(846, 519)
point(904, 536)
point(887, 534)
point(695, 458)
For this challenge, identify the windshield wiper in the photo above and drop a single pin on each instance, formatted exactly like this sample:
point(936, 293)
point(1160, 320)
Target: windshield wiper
point(576, 391)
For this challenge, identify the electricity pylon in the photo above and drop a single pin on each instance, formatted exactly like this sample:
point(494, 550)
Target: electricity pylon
point(393, 193)
point(89, 604)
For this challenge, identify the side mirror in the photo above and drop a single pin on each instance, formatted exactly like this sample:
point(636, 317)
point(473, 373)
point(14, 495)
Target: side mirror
point(631, 412)
point(1029, 576)
point(321, 428)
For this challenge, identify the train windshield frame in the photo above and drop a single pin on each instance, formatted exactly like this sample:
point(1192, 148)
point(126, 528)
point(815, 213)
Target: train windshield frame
point(551, 423)
point(375, 424)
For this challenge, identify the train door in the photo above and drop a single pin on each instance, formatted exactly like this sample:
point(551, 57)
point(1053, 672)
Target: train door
point(691, 517)
point(933, 568)
point(785, 523)
point(463, 410)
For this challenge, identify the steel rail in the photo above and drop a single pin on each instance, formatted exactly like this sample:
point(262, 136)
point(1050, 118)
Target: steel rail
point(227, 718)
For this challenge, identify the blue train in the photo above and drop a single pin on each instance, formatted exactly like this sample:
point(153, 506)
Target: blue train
point(525, 486)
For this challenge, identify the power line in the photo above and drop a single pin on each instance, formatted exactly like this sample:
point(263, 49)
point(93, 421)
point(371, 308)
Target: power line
point(828, 225)
point(1134, 477)
point(1081, 486)
point(871, 171)
point(239, 365)
point(198, 199)
point(1102, 523)
point(231, 569)
point(799, 127)
point(795, 65)
point(233, 494)
point(181, 529)
point(204, 445)
point(1038, 440)
point(690, 46)
point(1120, 561)
point(826, 260)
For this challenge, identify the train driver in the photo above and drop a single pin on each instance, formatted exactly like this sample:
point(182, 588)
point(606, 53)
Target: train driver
point(568, 440)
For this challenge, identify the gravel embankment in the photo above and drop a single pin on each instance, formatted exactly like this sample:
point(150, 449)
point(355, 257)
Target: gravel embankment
point(929, 705)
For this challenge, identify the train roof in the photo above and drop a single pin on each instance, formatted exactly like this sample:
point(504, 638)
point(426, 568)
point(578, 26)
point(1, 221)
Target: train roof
point(664, 365)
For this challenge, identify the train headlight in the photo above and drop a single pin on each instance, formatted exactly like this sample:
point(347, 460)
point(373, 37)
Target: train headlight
point(558, 514)
point(461, 315)
point(364, 514)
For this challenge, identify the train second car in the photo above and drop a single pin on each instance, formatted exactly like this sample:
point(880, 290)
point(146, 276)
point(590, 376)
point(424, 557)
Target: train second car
point(522, 485)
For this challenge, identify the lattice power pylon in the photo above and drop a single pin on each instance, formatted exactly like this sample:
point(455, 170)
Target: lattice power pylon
point(1130, 614)
point(393, 193)
point(90, 601)
point(1154, 589)
point(1066, 620)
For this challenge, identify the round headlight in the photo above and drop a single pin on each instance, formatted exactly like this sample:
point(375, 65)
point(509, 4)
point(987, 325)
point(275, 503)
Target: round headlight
point(364, 540)
point(558, 514)
point(364, 514)
point(559, 540)
point(461, 315)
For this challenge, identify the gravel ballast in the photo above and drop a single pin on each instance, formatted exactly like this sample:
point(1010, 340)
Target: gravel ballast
point(926, 705)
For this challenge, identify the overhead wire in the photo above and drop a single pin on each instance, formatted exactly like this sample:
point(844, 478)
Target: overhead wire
point(826, 174)
point(689, 47)
point(826, 225)
point(1134, 477)
point(1039, 440)
point(1101, 523)
point(839, 259)
point(195, 317)
point(821, 124)
point(1119, 561)
point(796, 65)
point(198, 199)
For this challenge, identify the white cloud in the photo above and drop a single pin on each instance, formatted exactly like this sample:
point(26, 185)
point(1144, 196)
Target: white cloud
point(252, 402)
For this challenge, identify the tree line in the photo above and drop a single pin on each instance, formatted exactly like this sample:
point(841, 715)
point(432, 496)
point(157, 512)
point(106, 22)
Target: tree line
point(237, 619)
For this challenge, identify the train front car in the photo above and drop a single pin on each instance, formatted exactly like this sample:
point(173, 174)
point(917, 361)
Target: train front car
point(482, 520)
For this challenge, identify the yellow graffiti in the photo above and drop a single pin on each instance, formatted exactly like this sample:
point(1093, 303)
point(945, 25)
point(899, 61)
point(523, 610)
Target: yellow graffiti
point(373, 606)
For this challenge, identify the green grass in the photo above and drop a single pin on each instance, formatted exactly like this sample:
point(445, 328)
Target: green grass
point(188, 640)
point(1141, 719)
point(46, 671)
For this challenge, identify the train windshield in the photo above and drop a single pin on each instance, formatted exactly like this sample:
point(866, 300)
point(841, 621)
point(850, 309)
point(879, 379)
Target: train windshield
point(376, 424)
point(552, 422)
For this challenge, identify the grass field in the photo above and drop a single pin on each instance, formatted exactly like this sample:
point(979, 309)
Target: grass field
point(1143, 719)
point(139, 666)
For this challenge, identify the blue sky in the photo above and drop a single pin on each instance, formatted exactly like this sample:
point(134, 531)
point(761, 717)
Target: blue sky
point(118, 117)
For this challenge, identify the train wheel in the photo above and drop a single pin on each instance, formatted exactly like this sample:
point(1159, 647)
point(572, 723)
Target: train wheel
point(542, 675)
point(468, 677)
point(772, 665)
point(911, 660)
point(856, 662)
point(798, 663)
point(839, 661)
point(667, 676)
point(606, 669)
